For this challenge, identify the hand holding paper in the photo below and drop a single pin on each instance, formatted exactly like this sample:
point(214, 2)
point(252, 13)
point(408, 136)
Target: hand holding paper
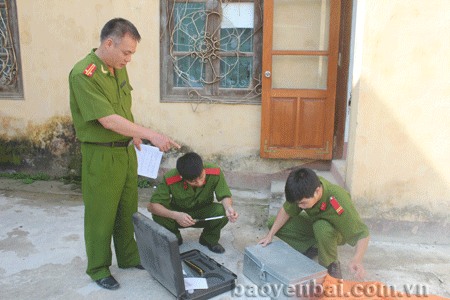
point(149, 159)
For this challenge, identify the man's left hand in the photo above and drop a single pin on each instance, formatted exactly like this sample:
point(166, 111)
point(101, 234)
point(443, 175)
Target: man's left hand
point(231, 214)
point(357, 269)
point(137, 142)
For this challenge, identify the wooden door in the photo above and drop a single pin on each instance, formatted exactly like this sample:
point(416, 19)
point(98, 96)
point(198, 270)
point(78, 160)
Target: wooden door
point(300, 56)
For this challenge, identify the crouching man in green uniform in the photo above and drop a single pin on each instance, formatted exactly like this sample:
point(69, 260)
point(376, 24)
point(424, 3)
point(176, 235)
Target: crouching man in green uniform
point(100, 103)
point(186, 194)
point(318, 214)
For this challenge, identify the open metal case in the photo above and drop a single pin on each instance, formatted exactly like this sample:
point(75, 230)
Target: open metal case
point(160, 256)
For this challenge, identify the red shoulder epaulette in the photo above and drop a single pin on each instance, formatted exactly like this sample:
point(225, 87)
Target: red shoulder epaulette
point(336, 205)
point(215, 171)
point(90, 70)
point(173, 179)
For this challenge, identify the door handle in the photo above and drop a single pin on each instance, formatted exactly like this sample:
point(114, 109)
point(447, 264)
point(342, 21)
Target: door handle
point(267, 74)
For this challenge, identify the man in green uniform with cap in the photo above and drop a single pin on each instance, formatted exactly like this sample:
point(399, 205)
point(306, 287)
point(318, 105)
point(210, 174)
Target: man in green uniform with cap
point(319, 214)
point(100, 103)
point(186, 194)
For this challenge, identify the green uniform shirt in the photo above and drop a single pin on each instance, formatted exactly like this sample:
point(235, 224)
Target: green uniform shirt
point(180, 196)
point(98, 96)
point(348, 224)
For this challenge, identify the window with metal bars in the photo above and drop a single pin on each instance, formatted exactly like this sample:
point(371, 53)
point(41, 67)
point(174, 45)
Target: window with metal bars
point(211, 51)
point(10, 68)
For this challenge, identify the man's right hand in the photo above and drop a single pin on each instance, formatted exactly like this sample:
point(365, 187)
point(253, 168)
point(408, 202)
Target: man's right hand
point(265, 241)
point(280, 220)
point(184, 219)
point(125, 127)
point(163, 142)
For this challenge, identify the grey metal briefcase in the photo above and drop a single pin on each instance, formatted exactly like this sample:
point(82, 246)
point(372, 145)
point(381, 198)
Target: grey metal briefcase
point(279, 267)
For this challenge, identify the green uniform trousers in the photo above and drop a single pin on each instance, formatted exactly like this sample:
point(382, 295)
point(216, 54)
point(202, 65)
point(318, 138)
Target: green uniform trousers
point(301, 233)
point(211, 229)
point(109, 185)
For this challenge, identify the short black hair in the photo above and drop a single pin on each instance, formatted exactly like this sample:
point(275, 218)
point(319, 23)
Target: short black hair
point(117, 28)
point(301, 183)
point(190, 166)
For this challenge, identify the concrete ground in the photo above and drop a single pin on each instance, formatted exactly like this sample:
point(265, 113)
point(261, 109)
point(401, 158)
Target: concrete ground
point(42, 254)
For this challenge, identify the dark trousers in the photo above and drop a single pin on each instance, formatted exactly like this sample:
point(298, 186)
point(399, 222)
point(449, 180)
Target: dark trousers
point(301, 233)
point(211, 229)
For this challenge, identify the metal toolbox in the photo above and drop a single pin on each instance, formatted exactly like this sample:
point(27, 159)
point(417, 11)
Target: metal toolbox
point(160, 256)
point(278, 266)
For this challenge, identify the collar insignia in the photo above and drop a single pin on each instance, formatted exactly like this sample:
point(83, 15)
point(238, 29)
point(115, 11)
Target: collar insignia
point(104, 71)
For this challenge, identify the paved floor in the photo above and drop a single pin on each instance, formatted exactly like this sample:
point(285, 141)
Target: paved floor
point(42, 253)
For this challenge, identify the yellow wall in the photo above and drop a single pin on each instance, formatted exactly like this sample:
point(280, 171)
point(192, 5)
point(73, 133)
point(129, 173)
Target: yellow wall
point(399, 147)
point(399, 151)
point(56, 34)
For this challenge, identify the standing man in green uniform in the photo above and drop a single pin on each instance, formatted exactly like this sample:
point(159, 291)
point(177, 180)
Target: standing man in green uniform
point(328, 219)
point(100, 102)
point(186, 194)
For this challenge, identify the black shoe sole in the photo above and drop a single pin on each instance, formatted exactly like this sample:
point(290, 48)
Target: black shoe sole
point(108, 283)
point(202, 242)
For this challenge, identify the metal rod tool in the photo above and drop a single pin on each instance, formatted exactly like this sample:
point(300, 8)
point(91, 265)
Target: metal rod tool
point(209, 219)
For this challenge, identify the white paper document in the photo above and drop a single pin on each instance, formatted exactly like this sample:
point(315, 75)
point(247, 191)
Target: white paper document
point(149, 159)
point(195, 283)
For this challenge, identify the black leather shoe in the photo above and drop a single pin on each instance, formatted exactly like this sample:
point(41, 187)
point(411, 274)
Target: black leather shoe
point(311, 252)
point(334, 269)
point(217, 248)
point(108, 283)
point(139, 266)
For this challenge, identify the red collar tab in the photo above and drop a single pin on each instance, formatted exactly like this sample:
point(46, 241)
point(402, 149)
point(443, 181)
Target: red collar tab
point(215, 171)
point(336, 206)
point(90, 70)
point(323, 206)
point(173, 179)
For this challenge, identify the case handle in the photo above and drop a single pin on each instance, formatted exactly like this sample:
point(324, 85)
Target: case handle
point(262, 274)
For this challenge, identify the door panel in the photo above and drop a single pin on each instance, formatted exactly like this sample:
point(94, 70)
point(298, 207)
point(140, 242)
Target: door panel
point(305, 72)
point(312, 123)
point(299, 63)
point(284, 110)
point(301, 24)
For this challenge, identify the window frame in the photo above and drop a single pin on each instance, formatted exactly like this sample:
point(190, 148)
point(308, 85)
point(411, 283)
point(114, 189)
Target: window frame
point(16, 91)
point(212, 93)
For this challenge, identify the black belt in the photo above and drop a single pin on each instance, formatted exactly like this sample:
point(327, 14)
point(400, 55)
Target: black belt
point(112, 144)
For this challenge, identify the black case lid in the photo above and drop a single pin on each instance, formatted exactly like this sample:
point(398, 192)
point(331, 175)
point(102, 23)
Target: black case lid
point(160, 254)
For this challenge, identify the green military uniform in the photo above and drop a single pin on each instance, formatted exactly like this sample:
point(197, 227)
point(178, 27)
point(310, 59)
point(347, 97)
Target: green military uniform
point(176, 194)
point(109, 173)
point(327, 224)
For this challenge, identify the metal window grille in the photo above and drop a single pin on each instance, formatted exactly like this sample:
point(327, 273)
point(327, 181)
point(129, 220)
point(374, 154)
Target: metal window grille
point(207, 56)
point(10, 77)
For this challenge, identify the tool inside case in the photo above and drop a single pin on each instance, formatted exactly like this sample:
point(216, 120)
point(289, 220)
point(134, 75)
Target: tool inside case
point(160, 256)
